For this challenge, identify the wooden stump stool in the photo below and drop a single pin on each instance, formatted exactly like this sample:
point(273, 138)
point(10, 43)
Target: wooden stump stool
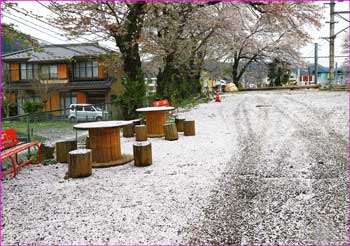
point(136, 122)
point(128, 131)
point(80, 163)
point(142, 154)
point(47, 151)
point(141, 133)
point(179, 124)
point(189, 128)
point(170, 132)
point(63, 148)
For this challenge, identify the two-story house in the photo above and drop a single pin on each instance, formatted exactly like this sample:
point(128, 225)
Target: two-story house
point(62, 74)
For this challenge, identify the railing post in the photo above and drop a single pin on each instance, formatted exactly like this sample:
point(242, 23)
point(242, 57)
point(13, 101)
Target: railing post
point(76, 120)
point(28, 132)
point(28, 128)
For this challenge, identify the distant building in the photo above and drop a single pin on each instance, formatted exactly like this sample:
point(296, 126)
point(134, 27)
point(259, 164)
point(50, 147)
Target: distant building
point(75, 72)
point(151, 86)
point(307, 76)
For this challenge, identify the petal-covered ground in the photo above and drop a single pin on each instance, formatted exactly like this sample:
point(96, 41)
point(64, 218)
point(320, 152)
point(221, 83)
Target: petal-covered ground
point(264, 167)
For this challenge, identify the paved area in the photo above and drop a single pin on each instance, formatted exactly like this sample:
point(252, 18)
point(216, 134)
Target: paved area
point(264, 167)
point(288, 183)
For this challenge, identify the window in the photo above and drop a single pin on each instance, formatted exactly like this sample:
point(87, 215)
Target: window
point(87, 69)
point(88, 108)
point(48, 72)
point(79, 108)
point(26, 71)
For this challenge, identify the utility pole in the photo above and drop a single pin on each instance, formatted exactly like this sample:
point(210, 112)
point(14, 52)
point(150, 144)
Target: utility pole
point(316, 63)
point(331, 42)
point(336, 72)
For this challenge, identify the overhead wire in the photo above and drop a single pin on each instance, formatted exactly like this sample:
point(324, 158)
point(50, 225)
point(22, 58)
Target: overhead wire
point(54, 12)
point(28, 14)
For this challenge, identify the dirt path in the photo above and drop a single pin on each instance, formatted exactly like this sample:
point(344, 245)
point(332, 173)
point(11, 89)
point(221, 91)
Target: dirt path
point(288, 183)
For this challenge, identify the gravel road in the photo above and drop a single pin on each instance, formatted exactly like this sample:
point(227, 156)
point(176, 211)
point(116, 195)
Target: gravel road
point(288, 183)
point(264, 167)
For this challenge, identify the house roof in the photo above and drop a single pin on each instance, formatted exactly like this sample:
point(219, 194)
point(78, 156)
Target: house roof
point(57, 52)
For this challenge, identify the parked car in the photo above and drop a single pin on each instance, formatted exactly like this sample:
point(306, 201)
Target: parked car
point(85, 112)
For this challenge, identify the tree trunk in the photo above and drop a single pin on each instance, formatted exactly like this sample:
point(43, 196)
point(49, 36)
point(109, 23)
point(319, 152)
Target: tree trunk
point(128, 44)
point(79, 163)
point(235, 74)
point(142, 154)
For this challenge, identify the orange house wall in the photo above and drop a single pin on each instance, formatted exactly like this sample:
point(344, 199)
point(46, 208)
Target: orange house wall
point(62, 71)
point(53, 103)
point(81, 97)
point(101, 72)
point(14, 67)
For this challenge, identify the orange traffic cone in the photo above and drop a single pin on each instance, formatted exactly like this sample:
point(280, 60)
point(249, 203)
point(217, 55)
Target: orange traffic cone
point(217, 97)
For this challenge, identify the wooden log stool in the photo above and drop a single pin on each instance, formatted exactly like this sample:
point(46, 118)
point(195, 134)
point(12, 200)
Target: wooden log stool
point(136, 122)
point(63, 148)
point(128, 131)
point(189, 128)
point(142, 154)
point(47, 151)
point(141, 133)
point(179, 124)
point(80, 163)
point(170, 132)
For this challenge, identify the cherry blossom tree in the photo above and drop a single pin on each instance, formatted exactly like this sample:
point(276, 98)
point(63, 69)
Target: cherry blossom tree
point(261, 32)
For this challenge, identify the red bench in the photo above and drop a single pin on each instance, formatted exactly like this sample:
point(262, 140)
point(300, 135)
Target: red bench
point(11, 146)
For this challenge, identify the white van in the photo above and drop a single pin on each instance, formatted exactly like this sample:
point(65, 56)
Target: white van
point(85, 112)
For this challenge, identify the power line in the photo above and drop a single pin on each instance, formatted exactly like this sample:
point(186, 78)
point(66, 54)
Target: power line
point(27, 14)
point(34, 28)
point(54, 12)
point(323, 56)
point(45, 41)
point(57, 33)
point(60, 34)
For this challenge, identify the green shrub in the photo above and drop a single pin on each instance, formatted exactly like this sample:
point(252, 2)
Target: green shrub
point(133, 97)
point(32, 107)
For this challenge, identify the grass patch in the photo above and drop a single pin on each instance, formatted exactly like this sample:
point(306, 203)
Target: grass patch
point(45, 124)
point(189, 103)
point(21, 127)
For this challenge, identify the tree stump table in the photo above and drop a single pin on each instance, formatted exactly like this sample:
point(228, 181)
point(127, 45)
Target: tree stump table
point(104, 142)
point(155, 119)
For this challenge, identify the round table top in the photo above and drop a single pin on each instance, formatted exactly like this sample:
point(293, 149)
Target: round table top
point(154, 109)
point(102, 124)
